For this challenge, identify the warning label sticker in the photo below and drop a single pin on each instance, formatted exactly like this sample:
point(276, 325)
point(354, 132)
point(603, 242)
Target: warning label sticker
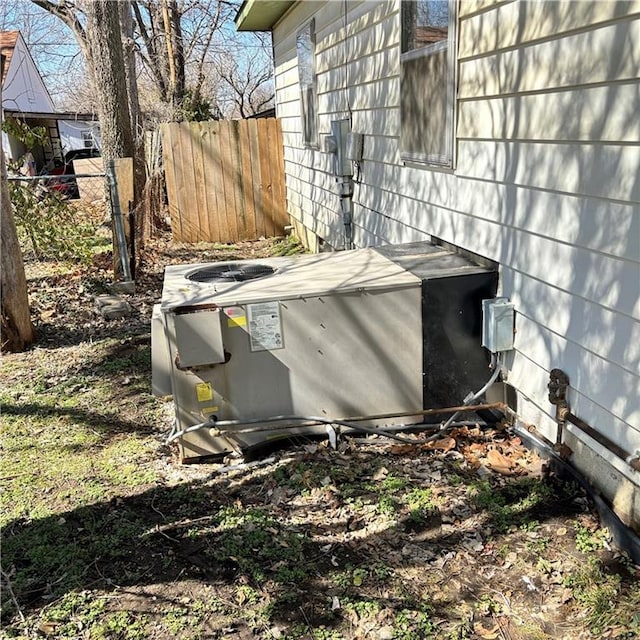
point(265, 326)
point(236, 317)
point(204, 391)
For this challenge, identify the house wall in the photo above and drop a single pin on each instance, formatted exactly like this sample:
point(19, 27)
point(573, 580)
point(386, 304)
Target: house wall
point(546, 183)
point(23, 88)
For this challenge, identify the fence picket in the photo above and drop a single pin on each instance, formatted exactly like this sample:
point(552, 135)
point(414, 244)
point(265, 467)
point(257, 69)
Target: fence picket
point(168, 152)
point(254, 150)
point(209, 157)
point(247, 180)
point(265, 182)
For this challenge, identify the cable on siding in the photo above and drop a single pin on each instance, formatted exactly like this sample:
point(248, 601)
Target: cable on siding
point(346, 63)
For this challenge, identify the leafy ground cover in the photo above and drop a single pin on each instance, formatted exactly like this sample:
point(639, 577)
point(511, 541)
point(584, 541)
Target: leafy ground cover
point(106, 536)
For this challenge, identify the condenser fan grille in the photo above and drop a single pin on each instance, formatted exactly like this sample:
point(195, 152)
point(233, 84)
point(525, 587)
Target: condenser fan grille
point(232, 272)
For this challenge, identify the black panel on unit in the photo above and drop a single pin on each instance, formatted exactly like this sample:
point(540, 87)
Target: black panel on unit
point(453, 287)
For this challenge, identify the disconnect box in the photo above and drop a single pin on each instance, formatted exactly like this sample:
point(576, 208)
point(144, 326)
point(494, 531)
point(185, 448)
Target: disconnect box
point(198, 337)
point(498, 324)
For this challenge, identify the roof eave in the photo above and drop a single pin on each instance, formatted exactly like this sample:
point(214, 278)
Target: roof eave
point(260, 15)
point(52, 115)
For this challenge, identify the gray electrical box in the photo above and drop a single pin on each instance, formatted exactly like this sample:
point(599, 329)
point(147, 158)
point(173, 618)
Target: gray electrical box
point(498, 324)
point(336, 144)
point(355, 146)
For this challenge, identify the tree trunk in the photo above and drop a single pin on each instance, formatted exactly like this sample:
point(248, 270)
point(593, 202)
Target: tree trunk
point(100, 35)
point(139, 170)
point(106, 61)
point(17, 330)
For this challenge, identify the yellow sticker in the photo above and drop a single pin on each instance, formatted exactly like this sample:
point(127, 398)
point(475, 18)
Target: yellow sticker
point(204, 391)
point(207, 410)
point(239, 321)
point(237, 317)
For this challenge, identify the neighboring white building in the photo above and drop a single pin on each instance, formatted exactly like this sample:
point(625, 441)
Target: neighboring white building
point(22, 85)
point(25, 97)
point(510, 130)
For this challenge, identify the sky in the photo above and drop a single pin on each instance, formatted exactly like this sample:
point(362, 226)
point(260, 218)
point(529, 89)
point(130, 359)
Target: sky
point(58, 57)
point(51, 44)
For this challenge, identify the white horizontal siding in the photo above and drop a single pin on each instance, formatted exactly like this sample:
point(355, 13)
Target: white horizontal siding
point(605, 383)
point(378, 94)
point(547, 181)
point(597, 114)
point(376, 65)
point(598, 170)
point(515, 24)
point(361, 17)
point(469, 7)
point(359, 45)
point(23, 88)
point(600, 226)
point(605, 333)
point(565, 62)
point(607, 171)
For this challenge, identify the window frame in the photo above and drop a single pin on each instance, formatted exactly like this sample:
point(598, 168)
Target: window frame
point(447, 159)
point(310, 142)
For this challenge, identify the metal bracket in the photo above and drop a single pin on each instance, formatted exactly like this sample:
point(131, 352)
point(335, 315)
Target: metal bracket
point(558, 385)
point(333, 435)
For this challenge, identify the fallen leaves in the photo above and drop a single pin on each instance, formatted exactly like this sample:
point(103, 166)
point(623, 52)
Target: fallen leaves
point(487, 630)
point(491, 449)
point(500, 463)
point(443, 444)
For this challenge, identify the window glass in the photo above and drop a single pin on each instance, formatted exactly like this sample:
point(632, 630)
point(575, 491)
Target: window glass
point(305, 46)
point(87, 139)
point(425, 22)
point(427, 79)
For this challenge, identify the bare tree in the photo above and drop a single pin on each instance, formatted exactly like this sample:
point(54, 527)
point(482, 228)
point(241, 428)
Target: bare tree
point(179, 45)
point(174, 43)
point(249, 84)
point(97, 28)
point(17, 330)
point(135, 114)
point(104, 52)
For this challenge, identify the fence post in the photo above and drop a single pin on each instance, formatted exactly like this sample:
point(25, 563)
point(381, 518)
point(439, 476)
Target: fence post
point(119, 196)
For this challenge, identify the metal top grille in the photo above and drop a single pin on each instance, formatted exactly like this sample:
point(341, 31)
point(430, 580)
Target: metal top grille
point(231, 272)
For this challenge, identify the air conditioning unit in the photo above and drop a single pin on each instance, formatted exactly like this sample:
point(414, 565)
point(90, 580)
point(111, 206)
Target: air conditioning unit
point(335, 335)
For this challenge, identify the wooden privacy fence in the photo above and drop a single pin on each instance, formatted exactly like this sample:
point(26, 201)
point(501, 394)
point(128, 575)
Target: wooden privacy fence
point(225, 179)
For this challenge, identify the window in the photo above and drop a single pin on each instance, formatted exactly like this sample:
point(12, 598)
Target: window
point(306, 49)
point(87, 139)
point(427, 81)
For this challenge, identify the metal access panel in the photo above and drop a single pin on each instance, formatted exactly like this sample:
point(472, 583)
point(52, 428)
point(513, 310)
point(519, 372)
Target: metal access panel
point(198, 337)
point(160, 362)
point(453, 288)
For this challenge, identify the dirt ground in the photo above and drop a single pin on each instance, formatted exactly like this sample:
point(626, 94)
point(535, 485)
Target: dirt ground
point(105, 535)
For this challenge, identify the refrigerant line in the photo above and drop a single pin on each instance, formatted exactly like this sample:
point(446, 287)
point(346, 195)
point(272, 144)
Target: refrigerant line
point(472, 397)
point(244, 426)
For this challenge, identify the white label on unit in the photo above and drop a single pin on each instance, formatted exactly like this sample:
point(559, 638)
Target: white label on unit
point(265, 326)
